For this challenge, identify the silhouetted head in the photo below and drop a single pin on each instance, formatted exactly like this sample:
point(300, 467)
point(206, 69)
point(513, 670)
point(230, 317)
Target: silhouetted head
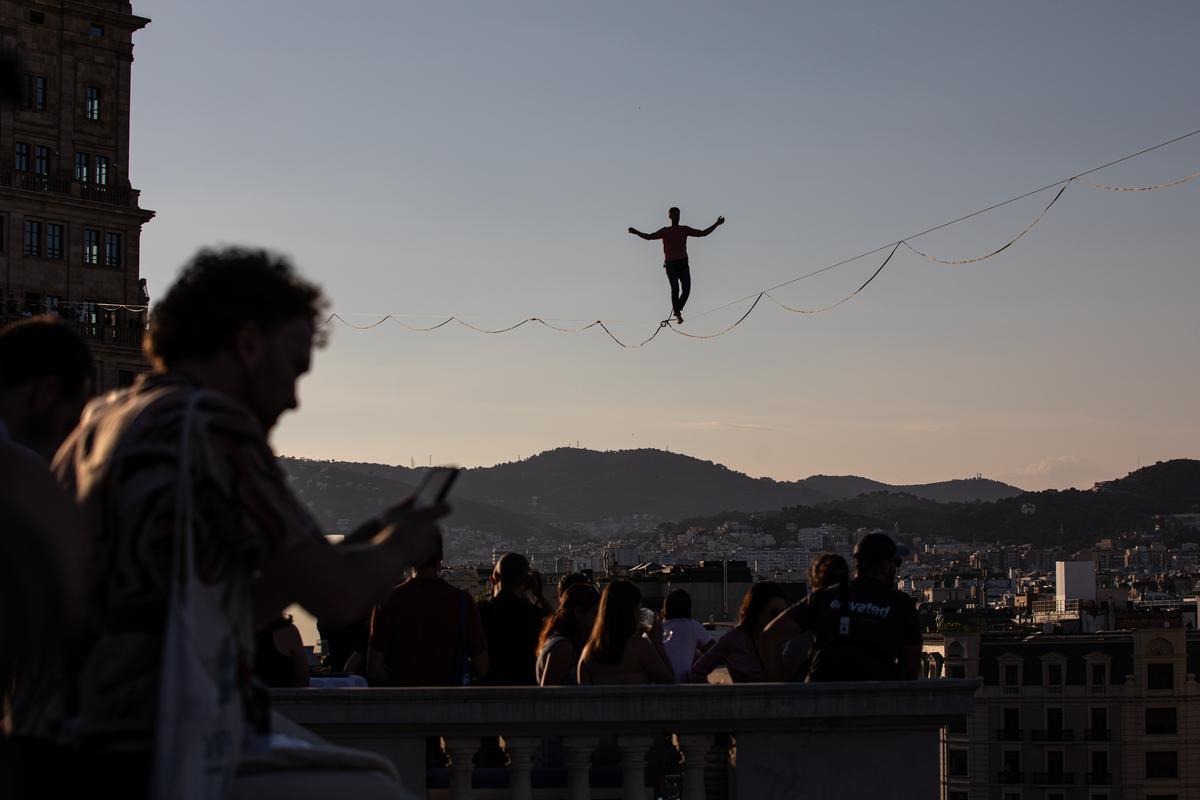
point(877, 556)
point(243, 320)
point(512, 572)
point(569, 580)
point(763, 602)
point(616, 622)
point(827, 569)
point(431, 566)
point(677, 605)
point(673, 213)
point(574, 617)
point(46, 378)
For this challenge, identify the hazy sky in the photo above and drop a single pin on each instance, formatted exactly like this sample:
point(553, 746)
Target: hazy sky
point(485, 159)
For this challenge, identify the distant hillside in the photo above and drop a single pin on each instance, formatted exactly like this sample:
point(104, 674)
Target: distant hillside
point(565, 486)
point(1070, 518)
point(967, 490)
point(334, 493)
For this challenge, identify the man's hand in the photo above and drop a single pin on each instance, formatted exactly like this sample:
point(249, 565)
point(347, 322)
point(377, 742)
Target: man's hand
point(720, 220)
point(635, 233)
point(411, 534)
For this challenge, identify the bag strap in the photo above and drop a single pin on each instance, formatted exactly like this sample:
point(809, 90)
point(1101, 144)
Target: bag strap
point(184, 563)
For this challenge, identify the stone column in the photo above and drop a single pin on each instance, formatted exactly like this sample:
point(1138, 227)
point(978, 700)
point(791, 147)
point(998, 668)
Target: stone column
point(633, 765)
point(461, 750)
point(695, 747)
point(577, 757)
point(521, 750)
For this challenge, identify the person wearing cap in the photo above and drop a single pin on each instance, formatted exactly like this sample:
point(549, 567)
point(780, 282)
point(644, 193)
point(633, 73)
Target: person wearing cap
point(863, 630)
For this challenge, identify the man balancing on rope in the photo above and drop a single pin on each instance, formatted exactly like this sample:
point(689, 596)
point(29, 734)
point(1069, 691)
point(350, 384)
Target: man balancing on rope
point(675, 258)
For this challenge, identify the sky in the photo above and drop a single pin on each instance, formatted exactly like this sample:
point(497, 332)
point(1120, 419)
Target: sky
point(485, 159)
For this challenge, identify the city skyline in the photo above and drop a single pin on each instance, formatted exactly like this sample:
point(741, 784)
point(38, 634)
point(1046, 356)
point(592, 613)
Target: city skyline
point(495, 179)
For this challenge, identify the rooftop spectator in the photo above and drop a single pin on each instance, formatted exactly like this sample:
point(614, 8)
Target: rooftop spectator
point(827, 569)
point(564, 635)
point(279, 658)
point(46, 377)
point(426, 633)
point(198, 539)
point(512, 622)
point(863, 629)
point(625, 646)
point(743, 650)
point(571, 579)
point(684, 638)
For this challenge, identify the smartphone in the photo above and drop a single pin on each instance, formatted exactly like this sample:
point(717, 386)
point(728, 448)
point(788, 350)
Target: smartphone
point(435, 487)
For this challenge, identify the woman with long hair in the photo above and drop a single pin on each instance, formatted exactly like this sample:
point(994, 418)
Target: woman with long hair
point(739, 650)
point(564, 634)
point(626, 641)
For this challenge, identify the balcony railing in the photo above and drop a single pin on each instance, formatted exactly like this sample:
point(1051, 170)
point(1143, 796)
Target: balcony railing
point(123, 334)
point(1010, 735)
point(1098, 735)
point(1010, 778)
point(1054, 778)
point(101, 193)
point(789, 739)
point(1098, 778)
point(1053, 735)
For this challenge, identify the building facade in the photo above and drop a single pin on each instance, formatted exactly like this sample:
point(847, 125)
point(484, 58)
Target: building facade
point(70, 221)
point(1093, 716)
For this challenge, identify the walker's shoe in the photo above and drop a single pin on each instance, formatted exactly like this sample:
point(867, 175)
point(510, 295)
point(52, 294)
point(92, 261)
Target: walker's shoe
point(678, 318)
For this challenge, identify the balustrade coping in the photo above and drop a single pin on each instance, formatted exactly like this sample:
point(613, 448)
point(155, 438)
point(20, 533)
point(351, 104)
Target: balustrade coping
point(480, 710)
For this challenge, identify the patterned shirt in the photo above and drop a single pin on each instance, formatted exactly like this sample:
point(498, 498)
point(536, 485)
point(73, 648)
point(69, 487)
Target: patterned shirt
point(121, 465)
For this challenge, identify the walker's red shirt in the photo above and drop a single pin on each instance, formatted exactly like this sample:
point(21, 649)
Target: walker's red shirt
point(674, 239)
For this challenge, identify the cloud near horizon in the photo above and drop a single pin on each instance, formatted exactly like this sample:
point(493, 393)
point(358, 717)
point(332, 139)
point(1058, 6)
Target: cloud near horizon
point(1056, 472)
point(715, 425)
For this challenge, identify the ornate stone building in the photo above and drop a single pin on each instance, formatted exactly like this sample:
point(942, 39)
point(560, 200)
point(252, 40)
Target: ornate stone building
point(70, 222)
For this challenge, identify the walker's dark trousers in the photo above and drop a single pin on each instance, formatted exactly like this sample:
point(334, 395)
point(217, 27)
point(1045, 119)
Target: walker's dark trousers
point(681, 283)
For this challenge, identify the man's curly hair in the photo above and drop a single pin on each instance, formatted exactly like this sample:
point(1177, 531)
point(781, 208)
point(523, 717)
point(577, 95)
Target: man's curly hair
point(218, 293)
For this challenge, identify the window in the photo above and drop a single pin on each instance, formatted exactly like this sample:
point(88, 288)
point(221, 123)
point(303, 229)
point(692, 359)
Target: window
point(957, 796)
point(96, 31)
point(1054, 762)
point(54, 240)
point(1011, 761)
point(1054, 674)
point(33, 238)
point(91, 246)
point(1162, 764)
point(37, 17)
point(1099, 675)
point(956, 763)
point(958, 671)
point(1012, 675)
point(1099, 765)
point(1160, 677)
point(1054, 719)
point(21, 160)
point(1098, 719)
point(1012, 719)
point(112, 249)
point(41, 159)
point(33, 303)
point(93, 103)
point(53, 302)
point(1161, 722)
point(39, 92)
point(102, 170)
point(81, 167)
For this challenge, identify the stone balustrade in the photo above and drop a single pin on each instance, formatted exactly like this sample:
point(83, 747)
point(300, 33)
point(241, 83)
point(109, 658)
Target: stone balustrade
point(767, 741)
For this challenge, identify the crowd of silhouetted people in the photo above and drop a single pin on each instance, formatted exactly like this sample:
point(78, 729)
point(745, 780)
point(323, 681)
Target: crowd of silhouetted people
point(151, 545)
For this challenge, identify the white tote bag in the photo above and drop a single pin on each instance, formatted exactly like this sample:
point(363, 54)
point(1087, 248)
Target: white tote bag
point(200, 715)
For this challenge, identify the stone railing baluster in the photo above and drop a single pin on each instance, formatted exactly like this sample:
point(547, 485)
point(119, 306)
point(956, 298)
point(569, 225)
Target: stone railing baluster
point(461, 750)
point(695, 747)
point(577, 757)
point(633, 765)
point(521, 750)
